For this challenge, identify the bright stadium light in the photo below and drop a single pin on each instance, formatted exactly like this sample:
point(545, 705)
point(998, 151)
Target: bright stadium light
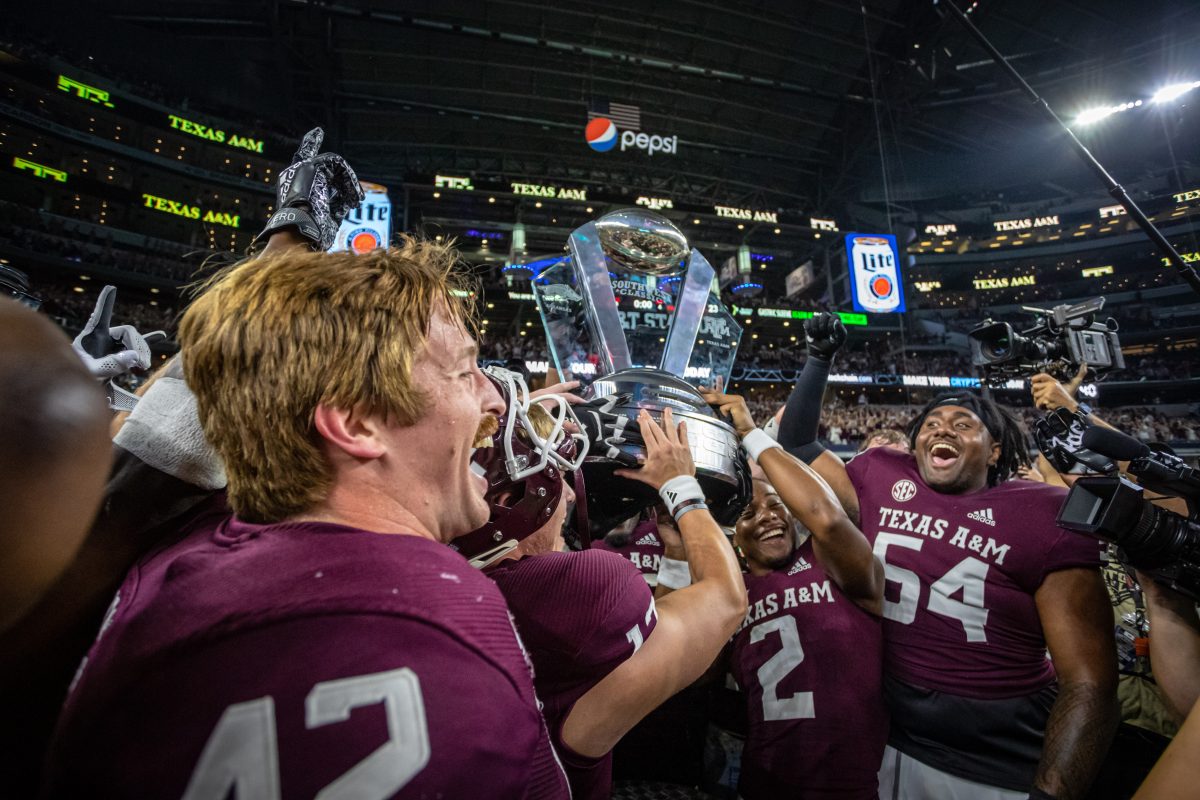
point(1175, 90)
point(1093, 115)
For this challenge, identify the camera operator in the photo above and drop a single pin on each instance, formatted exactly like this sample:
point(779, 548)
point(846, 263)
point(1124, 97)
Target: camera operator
point(1175, 652)
point(1159, 683)
point(1174, 645)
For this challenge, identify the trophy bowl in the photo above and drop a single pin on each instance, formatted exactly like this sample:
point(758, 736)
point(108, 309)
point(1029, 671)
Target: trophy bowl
point(721, 468)
point(643, 242)
point(635, 316)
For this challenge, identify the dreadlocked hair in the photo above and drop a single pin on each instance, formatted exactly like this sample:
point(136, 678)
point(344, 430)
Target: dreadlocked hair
point(1001, 424)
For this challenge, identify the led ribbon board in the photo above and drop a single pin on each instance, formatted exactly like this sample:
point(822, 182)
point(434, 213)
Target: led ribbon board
point(39, 170)
point(217, 135)
point(84, 92)
point(181, 209)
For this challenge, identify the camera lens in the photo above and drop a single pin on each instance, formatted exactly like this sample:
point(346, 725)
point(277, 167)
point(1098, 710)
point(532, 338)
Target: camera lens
point(998, 348)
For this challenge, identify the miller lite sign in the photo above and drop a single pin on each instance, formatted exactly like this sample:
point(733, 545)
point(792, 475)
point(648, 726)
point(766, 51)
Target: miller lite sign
point(875, 282)
point(370, 225)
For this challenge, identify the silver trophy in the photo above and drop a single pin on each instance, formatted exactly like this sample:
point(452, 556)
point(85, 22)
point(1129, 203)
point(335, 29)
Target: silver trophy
point(632, 315)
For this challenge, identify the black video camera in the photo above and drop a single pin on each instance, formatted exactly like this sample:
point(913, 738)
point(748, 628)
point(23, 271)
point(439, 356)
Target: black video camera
point(1159, 542)
point(1065, 337)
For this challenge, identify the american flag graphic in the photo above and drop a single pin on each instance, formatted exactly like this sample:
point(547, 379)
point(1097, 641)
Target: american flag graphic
point(624, 116)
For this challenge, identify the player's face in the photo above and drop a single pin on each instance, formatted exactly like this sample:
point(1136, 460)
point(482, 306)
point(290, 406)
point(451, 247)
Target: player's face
point(954, 450)
point(764, 530)
point(460, 399)
point(549, 537)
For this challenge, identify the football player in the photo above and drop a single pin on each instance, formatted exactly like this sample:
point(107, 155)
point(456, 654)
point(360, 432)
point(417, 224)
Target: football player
point(981, 584)
point(604, 654)
point(809, 654)
point(54, 456)
point(637, 539)
point(323, 640)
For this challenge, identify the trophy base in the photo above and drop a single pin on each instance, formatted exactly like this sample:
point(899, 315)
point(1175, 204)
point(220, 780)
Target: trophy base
point(721, 469)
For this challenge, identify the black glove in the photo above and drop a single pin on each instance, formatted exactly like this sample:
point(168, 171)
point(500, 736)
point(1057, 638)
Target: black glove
point(825, 335)
point(606, 431)
point(314, 194)
point(1059, 436)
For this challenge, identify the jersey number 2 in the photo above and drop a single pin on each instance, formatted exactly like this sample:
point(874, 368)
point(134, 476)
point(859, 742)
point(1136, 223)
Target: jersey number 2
point(242, 752)
point(777, 667)
point(968, 576)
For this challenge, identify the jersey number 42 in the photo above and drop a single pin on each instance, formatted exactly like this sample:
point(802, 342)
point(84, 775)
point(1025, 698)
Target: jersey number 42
point(242, 752)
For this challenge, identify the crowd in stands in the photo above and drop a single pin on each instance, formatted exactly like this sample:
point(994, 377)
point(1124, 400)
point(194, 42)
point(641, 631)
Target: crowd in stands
point(25, 230)
point(71, 309)
point(847, 425)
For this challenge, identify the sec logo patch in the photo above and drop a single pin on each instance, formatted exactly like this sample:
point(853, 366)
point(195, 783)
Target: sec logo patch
point(903, 490)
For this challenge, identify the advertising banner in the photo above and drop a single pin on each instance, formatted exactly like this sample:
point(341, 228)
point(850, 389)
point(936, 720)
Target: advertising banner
point(799, 279)
point(876, 284)
point(370, 225)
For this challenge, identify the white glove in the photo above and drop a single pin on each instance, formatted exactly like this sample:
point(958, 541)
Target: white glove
point(111, 351)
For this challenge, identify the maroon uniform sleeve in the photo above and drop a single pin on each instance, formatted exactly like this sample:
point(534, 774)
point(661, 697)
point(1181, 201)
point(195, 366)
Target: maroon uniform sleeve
point(1071, 549)
point(859, 467)
point(360, 704)
point(580, 614)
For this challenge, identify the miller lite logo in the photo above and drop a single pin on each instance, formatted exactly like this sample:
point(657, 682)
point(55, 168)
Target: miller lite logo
point(903, 490)
point(875, 270)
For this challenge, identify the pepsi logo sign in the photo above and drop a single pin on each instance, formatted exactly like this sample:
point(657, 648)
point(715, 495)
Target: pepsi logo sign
point(601, 134)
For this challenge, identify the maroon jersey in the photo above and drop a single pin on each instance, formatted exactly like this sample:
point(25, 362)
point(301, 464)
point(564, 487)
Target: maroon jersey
point(285, 660)
point(811, 664)
point(644, 550)
point(581, 615)
point(961, 574)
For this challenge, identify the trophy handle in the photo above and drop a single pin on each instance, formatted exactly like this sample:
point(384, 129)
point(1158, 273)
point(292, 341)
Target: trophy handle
point(689, 313)
point(599, 299)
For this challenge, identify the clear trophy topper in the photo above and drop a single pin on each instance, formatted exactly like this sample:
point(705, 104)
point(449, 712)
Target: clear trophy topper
point(632, 315)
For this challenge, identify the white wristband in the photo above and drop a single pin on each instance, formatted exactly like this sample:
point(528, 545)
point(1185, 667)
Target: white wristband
point(755, 442)
point(679, 489)
point(673, 573)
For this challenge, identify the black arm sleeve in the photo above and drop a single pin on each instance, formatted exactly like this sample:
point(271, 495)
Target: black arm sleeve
point(802, 414)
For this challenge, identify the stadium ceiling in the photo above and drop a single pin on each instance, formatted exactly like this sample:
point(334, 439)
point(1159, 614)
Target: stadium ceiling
point(806, 104)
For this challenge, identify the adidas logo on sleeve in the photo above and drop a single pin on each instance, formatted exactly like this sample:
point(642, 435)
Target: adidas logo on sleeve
point(983, 515)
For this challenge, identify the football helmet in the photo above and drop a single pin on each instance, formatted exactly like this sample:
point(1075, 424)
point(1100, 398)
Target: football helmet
point(524, 468)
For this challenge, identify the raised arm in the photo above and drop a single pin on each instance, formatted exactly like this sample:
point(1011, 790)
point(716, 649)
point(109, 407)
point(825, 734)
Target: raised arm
point(1077, 619)
point(694, 623)
point(824, 334)
point(843, 550)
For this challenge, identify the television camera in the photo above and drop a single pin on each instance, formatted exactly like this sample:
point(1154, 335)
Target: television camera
point(1064, 338)
point(1159, 542)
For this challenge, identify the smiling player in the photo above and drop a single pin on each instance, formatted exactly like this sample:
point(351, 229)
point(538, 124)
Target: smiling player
point(323, 641)
point(809, 653)
point(981, 582)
